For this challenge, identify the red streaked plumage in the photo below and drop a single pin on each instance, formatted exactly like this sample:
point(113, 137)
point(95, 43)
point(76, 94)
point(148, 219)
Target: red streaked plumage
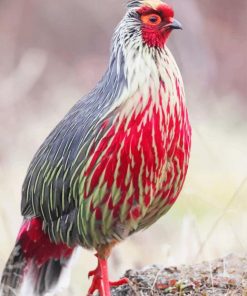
point(155, 140)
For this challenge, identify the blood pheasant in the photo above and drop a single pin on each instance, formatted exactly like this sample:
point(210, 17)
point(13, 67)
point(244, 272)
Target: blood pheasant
point(114, 165)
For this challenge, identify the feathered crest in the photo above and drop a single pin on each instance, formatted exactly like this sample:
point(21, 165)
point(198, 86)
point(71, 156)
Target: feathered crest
point(139, 3)
point(134, 3)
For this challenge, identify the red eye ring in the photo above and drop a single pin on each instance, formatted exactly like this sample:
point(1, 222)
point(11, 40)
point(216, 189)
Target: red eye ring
point(152, 19)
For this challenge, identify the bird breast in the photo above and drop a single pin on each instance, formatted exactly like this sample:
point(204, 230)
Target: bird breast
point(138, 161)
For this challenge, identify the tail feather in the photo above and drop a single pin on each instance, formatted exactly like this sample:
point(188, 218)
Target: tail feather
point(12, 276)
point(36, 259)
point(48, 276)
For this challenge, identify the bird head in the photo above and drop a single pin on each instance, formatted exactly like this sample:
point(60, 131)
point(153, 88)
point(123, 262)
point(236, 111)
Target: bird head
point(153, 21)
point(138, 51)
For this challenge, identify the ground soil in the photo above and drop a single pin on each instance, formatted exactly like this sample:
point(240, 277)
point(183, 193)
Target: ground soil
point(227, 276)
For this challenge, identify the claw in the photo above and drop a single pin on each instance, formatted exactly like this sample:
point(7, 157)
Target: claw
point(92, 272)
point(122, 281)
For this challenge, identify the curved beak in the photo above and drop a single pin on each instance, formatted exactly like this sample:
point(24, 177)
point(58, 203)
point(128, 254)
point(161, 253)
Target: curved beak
point(175, 25)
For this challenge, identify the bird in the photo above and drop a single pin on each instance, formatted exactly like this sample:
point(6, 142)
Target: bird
point(113, 165)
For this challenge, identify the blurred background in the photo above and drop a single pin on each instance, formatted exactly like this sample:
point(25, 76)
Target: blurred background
point(53, 52)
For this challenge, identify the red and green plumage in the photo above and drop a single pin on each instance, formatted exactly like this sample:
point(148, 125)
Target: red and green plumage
point(117, 161)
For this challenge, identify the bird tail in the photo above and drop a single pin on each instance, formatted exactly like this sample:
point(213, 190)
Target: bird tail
point(35, 264)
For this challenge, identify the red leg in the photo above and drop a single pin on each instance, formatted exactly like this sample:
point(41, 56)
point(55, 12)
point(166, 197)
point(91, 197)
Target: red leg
point(101, 281)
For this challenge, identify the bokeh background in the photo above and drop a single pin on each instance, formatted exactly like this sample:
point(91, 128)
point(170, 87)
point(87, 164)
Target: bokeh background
point(53, 52)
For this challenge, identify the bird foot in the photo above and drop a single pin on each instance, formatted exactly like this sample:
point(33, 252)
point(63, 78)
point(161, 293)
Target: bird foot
point(100, 280)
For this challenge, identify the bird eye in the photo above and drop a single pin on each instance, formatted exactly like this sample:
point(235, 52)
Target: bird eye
point(151, 19)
